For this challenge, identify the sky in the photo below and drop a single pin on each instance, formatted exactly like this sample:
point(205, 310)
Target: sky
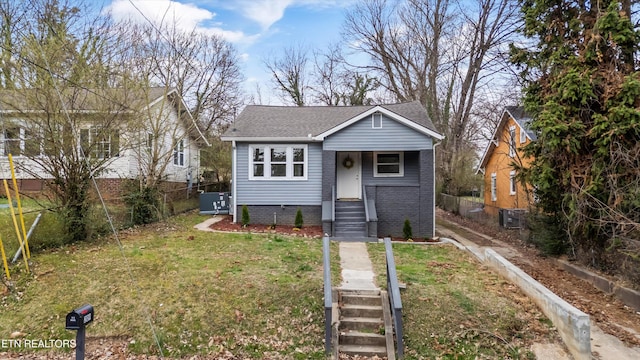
point(258, 29)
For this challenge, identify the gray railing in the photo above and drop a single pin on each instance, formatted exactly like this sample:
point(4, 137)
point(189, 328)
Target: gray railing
point(366, 206)
point(394, 297)
point(328, 300)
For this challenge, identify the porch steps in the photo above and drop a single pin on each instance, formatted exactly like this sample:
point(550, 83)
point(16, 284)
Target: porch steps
point(361, 329)
point(350, 219)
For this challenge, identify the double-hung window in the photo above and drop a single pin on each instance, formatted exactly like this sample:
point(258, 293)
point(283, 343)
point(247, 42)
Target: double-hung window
point(494, 187)
point(512, 183)
point(12, 141)
point(387, 164)
point(100, 143)
point(178, 153)
point(512, 141)
point(278, 162)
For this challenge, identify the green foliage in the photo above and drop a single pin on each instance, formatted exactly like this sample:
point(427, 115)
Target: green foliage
point(245, 215)
point(547, 234)
point(144, 204)
point(582, 89)
point(407, 232)
point(298, 221)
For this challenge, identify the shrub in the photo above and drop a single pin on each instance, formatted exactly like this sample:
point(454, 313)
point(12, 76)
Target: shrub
point(547, 234)
point(144, 205)
point(299, 222)
point(407, 232)
point(245, 215)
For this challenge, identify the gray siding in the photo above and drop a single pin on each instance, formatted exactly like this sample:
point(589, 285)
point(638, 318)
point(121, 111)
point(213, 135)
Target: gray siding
point(396, 202)
point(278, 192)
point(392, 136)
point(411, 168)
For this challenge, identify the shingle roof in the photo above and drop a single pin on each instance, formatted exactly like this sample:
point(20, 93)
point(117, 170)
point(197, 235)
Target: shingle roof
point(523, 119)
point(261, 121)
point(80, 99)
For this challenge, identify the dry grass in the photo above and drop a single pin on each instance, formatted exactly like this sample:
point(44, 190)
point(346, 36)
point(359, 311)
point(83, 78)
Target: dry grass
point(203, 293)
point(454, 308)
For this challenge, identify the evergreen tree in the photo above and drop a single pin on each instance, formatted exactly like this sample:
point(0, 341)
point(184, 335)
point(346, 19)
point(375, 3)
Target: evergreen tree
point(583, 90)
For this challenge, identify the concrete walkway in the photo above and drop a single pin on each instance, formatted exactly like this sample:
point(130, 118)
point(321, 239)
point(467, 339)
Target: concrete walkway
point(357, 271)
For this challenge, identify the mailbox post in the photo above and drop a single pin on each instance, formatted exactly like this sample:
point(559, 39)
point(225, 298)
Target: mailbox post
point(77, 319)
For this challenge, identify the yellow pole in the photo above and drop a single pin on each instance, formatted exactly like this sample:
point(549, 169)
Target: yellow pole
point(4, 260)
point(15, 224)
point(15, 187)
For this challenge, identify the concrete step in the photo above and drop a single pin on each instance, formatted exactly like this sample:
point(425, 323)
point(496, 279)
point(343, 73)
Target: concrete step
point(361, 299)
point(361, 311)
point(362, 338)
point(363, 350)
point(372, 325)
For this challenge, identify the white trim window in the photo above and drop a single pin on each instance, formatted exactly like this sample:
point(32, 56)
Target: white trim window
point(178, 153)
point(12, 141)
point(512, 141)
point(376, 121)
point(388, 164)
point(18, 141)
point(512, 183)
point(100, 143)
point(494, 187)
point(278, 162)
point(523, 136)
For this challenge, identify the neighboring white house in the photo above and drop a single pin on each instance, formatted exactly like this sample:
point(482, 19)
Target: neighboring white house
point(157, 126)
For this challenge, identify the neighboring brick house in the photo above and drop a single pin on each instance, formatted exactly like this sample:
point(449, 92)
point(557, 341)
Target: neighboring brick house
point(501, 188)
point(126, 148)
point(360, 171)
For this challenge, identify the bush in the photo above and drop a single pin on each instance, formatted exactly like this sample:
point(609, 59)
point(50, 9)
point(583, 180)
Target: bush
point(245, 215)
point(144, 205)
point(299, 222)
point(407, 232)
point(547, 234)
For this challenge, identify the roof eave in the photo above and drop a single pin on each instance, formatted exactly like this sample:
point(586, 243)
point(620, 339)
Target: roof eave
point(268, 139)
point(386, 112)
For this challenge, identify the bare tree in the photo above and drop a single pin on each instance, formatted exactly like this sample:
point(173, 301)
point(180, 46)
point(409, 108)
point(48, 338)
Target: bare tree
point(61, 117)
point(337, 83)
point(290, 74)
point(438, 52)
point(203, 68)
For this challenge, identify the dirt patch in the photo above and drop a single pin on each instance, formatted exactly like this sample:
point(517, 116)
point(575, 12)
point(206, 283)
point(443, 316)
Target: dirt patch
point(609, 313)
point(227, 224)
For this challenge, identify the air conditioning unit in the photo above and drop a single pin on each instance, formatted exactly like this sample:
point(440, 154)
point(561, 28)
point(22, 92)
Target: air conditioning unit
point(511, 218)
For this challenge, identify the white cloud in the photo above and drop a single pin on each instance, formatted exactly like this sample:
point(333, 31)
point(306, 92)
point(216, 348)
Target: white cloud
point(268, 12)
point(187, 17)
point(264, 12)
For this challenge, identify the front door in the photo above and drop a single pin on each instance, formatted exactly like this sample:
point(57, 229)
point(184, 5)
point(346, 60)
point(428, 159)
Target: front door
point(348, 168)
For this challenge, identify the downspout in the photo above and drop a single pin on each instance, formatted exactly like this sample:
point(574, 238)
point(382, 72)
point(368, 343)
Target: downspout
point(434, 189)
point(234, 193)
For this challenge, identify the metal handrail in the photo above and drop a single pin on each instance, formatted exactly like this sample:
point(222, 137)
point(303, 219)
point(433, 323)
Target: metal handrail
point(396, 302)
point(328, 299)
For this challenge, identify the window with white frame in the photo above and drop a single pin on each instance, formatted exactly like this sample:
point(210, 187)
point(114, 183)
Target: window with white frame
point(178, 153)
point(523, 136)
point(12, 140)
point(494, 187)
point(388, 164)
point(512, 141)
point(376, 121)
point(278, 162)
point(512, 183)
point(100, 143)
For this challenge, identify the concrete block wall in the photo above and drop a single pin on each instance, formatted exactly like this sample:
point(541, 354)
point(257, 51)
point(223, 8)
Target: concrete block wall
point(263, 214)
point(573, 325)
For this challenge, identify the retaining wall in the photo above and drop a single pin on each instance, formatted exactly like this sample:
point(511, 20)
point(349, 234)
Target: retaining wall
point(573, 325)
